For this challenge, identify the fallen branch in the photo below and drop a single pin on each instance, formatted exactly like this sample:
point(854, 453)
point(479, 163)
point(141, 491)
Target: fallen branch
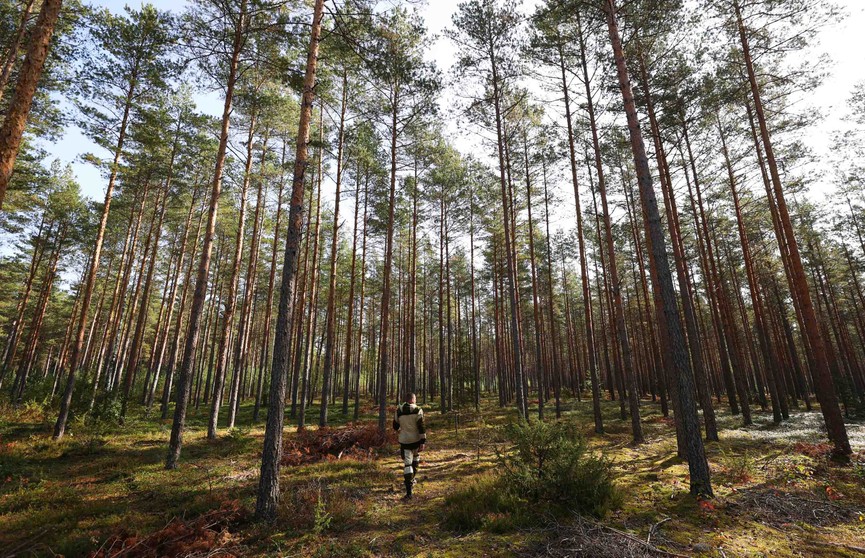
point(641, 542)
point(655, 528)
point(23, 545)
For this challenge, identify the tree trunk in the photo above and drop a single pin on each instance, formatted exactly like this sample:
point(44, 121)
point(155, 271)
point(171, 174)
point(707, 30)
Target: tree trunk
point(184, 383)
point(823, 384)
point(360, 304)
point(331, 292)
point(242, 342)
point(19, 106)
point(591, 350)
point(14, 47)
point(312, 316)
point(36, 322)
point(697, 463)
point(557, 361)
point(268, 488)
point(536, 312)
point(17, 324)
point(511, 264)
point(349, 336)
point(231, 297)
point(388, 262)
point(268, 307)
point(141, 323)
point(87, 294)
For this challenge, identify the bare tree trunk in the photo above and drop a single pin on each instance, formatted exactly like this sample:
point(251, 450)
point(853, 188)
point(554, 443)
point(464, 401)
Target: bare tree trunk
point(313, 271)
point(268, 488)
point(14, 47)
point(138, 336)
point(753, 288)
point(557, 361)
point(349, 336)
point(685, 291)
point(19, 107)
point(823, 384)
point(388, 262)
point(516, 340)
point(476, 367)
point(157, 365)
point(231, 297)
point(17, 324)
point(184, 383)
point(36, 323)
point(592, 361)
point(87, 294)
point(657, 360)
point(334, 242)
point(243, 335)
point(360, 305)
point(268, 307)
point(697, 463)
point(536, 312)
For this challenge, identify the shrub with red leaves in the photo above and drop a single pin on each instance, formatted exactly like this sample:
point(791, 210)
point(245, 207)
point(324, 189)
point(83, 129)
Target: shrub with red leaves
point(813, 450)
point(706, 506)
point(358, 441)
point(207, 535)
point(660, 419)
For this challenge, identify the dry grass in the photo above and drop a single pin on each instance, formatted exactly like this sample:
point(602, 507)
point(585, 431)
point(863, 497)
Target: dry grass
point(101, 486)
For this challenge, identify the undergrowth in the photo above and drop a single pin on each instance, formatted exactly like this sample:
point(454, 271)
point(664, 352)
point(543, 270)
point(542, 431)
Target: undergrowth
point(546, 466)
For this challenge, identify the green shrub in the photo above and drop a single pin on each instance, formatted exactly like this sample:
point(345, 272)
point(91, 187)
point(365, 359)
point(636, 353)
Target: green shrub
point(740, 468)
point(485, 503)
point(37, 394)
point(547, 470)
point(316, 507)
point(548, 462)
point(106, 409)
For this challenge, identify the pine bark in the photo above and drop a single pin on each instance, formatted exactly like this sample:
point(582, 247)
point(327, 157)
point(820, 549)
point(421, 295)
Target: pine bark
point(384, 356)
point(268, 488)
point(231, 297)
point(330, 341)
point(697, 463)
point(591, 350)
point(15, 46)
point(823, 384)
point(268, 307)
point(19, 106)
point(87, 294)
point(184, 383)
point(244, 334)
point(349, 335)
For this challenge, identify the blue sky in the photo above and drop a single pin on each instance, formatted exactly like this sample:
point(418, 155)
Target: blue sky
point(844, 42)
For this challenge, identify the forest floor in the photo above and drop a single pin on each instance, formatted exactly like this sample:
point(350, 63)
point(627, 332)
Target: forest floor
point(104, 486)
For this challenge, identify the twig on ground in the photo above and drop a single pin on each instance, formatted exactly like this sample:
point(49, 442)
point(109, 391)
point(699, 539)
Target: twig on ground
point(14, 550)
point(655, 528)
point(645, 544)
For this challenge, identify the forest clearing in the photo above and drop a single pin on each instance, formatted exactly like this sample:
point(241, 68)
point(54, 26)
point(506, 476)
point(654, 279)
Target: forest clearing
point(446, 278)
point(777, 493)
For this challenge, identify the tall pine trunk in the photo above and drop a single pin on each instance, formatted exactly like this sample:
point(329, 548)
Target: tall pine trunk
point(591, 350)
point(87, 294)
point(330, 341)
point(696, 455)
point(823, 384)
point(184, 383)
point(268, 487)
point(19, 106)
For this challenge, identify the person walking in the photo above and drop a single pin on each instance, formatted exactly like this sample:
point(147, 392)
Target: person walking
point(412, 439)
